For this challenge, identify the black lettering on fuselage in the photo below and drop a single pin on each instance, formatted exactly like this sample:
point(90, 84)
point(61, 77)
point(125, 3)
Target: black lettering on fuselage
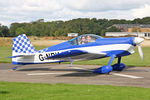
point(52, 54)
point(42, 57)
point(47, 55)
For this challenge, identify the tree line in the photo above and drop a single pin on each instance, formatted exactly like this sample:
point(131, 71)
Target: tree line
point(61, 28)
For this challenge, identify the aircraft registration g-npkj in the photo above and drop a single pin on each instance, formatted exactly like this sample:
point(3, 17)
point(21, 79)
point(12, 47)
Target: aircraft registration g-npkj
point(84, 47)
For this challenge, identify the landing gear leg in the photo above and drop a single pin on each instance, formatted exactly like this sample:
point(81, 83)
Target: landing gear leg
point(119, 60)
point(118, 66)
point(105, 69)
point(111, 60)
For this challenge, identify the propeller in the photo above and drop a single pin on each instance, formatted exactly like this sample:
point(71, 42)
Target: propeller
point(138, 41)
point(140, 51)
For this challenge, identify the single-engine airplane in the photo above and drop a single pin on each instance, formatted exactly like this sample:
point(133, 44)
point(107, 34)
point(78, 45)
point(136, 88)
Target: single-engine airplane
point(84, 47)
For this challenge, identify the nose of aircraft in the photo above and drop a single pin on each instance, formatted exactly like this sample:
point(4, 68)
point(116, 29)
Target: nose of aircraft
point(138, 40)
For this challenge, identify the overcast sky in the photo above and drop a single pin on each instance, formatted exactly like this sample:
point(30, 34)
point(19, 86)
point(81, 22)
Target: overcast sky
point(50, 10)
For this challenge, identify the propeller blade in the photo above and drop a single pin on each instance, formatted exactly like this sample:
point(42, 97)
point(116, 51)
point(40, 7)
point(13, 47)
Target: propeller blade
point(140, 52)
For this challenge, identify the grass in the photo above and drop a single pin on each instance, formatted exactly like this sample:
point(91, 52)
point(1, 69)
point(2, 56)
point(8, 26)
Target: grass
point(39, 91)
point(5, 51)
point(5, 41)
point(132, 60)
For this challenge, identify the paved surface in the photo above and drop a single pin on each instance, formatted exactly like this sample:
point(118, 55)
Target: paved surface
point(78, 74)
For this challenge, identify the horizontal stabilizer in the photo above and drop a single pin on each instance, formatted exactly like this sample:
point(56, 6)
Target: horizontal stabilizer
point(68, 53)
point(21, 55)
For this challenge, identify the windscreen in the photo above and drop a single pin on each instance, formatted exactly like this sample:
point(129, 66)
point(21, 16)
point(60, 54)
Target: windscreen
point(84, 39)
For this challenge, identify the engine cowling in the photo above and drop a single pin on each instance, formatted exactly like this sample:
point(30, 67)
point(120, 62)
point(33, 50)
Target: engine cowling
point(118, 67)
point(103, 70)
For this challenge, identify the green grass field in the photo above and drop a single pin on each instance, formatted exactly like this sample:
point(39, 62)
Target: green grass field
point(132, 60)
point(38, 91)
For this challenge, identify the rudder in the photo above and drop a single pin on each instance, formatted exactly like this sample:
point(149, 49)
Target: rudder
point(21, 44)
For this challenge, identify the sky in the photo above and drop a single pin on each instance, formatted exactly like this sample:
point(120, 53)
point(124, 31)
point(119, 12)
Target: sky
point(51, 10)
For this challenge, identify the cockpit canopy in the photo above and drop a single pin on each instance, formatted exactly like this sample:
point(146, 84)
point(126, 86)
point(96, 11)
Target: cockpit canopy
point(83, 39)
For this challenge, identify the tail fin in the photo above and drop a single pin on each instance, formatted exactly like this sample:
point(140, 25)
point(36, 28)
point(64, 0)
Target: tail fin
point(21, 44)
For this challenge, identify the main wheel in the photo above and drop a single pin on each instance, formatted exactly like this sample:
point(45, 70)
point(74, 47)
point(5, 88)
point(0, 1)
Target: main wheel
point(118, 67)
point(103, 70)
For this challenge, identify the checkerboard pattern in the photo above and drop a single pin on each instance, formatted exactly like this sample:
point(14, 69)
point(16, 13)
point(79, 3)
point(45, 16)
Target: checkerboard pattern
point(21, 44)
point(43, 50)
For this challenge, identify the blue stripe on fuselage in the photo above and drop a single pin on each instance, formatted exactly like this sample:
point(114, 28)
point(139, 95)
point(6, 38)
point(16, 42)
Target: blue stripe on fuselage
point(117, 53)
point(98, 42)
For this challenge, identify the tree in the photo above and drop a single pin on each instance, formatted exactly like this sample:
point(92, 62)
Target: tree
point(20, 31)
point(4, 31)
point(79, 25)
